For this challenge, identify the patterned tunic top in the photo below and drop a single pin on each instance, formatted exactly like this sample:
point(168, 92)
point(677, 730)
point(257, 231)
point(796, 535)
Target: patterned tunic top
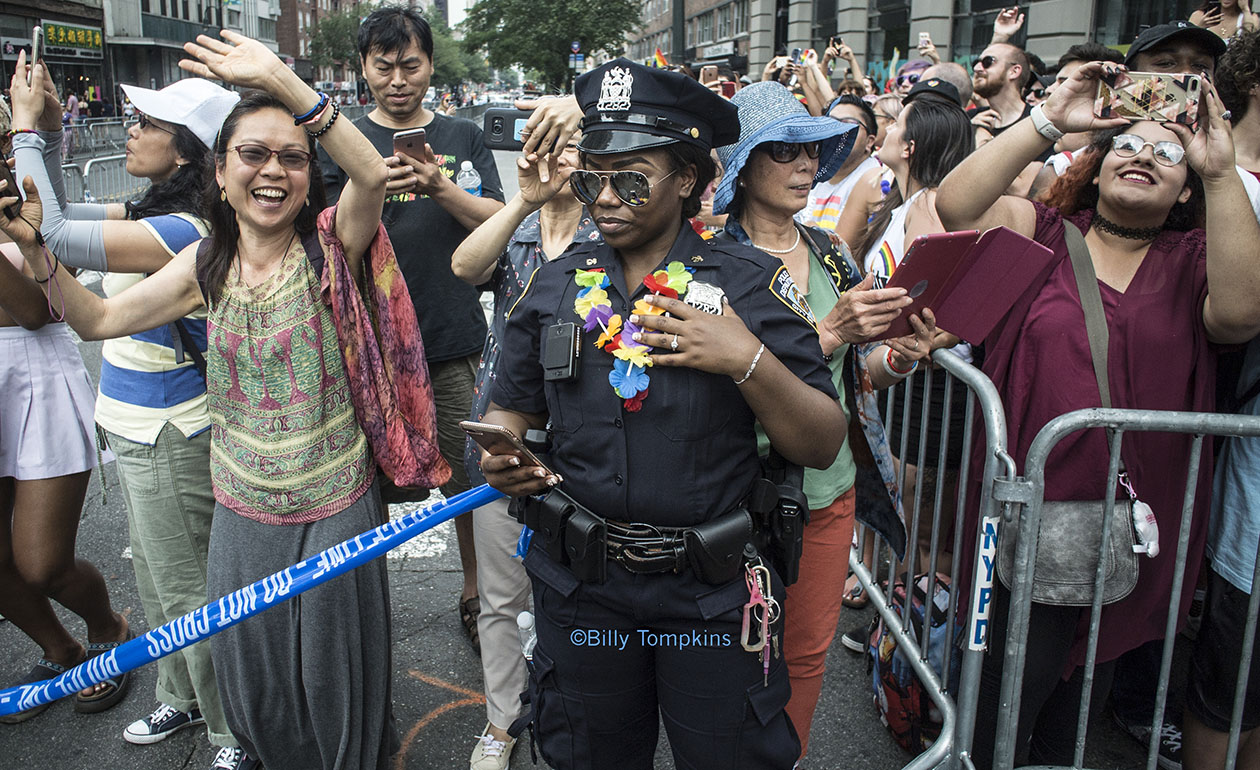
point(285, 445)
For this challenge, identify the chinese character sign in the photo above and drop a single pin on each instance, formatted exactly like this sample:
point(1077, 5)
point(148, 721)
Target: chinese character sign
point(72, 41)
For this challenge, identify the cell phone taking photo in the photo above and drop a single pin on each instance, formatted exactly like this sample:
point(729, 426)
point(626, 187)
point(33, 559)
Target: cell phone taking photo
point(37, 51)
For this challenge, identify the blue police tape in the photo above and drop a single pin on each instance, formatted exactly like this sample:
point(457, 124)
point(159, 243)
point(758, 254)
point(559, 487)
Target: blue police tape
point(244, 602)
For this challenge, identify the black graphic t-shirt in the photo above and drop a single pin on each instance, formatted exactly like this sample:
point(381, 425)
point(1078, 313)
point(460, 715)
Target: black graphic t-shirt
point(425, 235)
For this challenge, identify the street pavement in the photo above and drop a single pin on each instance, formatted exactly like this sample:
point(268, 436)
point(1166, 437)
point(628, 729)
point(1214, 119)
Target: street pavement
point(437, 678)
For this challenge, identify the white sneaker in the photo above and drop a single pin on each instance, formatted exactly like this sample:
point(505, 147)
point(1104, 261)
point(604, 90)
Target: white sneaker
point(163, 722)
point(491, 754)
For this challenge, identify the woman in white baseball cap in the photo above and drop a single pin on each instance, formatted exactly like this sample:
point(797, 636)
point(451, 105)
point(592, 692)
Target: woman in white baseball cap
point(152, 402)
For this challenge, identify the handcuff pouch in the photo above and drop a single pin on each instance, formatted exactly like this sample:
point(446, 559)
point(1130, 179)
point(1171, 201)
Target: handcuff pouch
point(715, 548)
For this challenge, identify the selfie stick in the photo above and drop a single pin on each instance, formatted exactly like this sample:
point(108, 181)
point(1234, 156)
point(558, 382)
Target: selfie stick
point(202, 623)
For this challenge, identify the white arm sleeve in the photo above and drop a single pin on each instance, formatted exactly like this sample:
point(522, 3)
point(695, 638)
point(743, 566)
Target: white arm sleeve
point(78, 244)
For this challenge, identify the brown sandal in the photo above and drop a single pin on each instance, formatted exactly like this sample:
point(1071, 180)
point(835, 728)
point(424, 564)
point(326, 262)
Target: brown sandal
point(469, 610)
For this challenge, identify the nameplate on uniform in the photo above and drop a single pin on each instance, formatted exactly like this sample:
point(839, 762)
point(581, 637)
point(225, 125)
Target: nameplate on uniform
point(704, 296)
point(783, 287)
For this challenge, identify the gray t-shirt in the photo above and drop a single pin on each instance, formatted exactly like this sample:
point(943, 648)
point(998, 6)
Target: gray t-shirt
point(425, 235)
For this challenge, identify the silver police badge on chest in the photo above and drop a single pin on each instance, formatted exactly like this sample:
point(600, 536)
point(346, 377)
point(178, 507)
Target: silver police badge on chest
point(704, 296)
point(614, 90)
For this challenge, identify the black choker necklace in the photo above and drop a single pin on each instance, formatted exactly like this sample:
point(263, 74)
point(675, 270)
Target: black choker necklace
point(1132, 233)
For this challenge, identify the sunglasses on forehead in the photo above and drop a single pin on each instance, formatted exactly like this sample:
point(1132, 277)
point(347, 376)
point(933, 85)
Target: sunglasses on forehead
point(786, 152)
point(632, 187)
point(984, 62)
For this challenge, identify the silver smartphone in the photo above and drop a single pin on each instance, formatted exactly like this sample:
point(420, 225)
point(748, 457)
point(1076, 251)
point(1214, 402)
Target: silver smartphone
point(37, 51)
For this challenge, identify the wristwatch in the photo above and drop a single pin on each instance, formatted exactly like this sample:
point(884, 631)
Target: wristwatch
point(1043, 124)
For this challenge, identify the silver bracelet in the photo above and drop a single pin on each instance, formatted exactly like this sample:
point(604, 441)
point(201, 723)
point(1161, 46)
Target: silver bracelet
point(753, 365)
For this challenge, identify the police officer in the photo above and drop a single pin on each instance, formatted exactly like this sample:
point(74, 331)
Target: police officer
point(649, 356)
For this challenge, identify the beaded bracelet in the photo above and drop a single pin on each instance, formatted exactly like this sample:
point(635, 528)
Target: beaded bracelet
point(317, 134)
point(753, 365)
point(16, 131)
point(894, 372)
point(320, 104)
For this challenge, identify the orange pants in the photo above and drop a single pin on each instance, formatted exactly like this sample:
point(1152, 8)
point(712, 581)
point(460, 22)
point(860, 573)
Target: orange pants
point(812, 607)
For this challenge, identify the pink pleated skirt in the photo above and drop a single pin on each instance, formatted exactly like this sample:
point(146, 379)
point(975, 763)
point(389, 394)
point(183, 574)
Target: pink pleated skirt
point(47, 403)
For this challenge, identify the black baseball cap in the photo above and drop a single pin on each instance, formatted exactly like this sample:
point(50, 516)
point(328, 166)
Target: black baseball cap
point(1153, 36)
point(627, 106)
point(934, 87)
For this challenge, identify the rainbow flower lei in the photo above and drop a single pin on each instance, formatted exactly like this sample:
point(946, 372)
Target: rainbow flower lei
point(629, 377)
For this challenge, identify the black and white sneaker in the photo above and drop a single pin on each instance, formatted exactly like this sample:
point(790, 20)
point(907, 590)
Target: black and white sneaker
point(163, 722)
point(232, 758)
point(857, 639)
point(1169, 740)
point(1170, 746)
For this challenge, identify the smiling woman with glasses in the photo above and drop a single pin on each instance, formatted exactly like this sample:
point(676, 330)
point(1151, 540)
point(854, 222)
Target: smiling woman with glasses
point(292, 465)
point(152, 402)
point(1134, 204)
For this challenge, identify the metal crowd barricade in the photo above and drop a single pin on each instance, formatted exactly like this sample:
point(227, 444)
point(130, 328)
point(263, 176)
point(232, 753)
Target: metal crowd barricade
point(75, 187)
point(962, 380)
point(1028, 493)
point(107, 181)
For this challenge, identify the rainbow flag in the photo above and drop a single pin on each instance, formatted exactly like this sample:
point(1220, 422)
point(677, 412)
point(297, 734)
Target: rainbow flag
point(886, 256)
point(658, 59)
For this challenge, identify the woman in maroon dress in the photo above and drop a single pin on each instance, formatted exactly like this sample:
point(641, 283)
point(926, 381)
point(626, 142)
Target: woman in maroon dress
point(1143, 195)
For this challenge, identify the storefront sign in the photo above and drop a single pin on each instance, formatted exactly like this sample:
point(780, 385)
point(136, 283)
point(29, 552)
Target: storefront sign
point(718, 49)
point(71, 41)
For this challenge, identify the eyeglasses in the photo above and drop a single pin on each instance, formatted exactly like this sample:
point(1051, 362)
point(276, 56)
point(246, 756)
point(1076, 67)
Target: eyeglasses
point(1166, 153)
point(145, 121)
point(910, 77)
point(786, 152)
point(984, 62)
point(258, 155)
point(632, 187)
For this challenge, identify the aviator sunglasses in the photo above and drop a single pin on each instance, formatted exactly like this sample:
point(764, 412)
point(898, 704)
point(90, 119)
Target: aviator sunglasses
point(786, 152)
point(258, 155)
point(632, 187)
point(1166, 153)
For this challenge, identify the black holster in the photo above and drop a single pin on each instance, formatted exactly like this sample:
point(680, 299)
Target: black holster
point(781, 511)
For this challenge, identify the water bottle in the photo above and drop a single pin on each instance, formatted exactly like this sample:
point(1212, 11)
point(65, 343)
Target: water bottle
point(525, 628)
point(468, 179)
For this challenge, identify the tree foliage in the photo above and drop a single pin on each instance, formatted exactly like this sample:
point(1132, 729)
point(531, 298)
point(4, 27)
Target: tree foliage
point(335, 37)
point(536, 33)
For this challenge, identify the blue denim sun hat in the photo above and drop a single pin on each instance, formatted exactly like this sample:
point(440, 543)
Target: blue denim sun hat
point(768, 112)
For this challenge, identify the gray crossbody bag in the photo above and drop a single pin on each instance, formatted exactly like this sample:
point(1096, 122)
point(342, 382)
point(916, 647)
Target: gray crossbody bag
point(1071, 531)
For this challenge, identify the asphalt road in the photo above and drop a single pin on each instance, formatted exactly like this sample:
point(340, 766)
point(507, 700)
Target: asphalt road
point(437, 678)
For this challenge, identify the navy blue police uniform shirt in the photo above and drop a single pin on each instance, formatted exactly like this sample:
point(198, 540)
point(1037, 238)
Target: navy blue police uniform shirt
point(690, 453)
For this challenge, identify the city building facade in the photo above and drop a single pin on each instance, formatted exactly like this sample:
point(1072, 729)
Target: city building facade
point(746, 34)
point(74, 39)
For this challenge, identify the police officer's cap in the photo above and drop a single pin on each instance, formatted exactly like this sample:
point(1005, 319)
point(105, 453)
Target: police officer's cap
point(628, 106)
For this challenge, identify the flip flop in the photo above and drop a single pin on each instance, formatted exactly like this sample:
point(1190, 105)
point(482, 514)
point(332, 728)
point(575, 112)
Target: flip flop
point(855, 596)
point(469, 609)
point(41, 672)
point(115, 687)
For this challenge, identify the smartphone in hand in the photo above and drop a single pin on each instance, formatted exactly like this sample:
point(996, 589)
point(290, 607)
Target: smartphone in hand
point(12, 188)
point(498, 440)
point(410, 142)
point(1149, 96)
point(37, 51)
